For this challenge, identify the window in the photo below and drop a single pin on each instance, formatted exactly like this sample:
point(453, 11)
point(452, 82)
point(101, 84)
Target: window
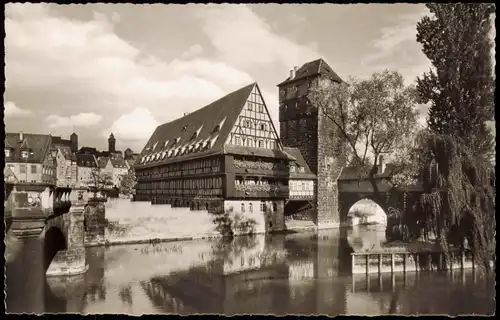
point(33, 169)
point(250, 207)
point(263, 126)
point(250, 106)
point(301, 169)
point(22, 168)
point(261, 108)
point(237, 140)
point(275, 206)
point(292, 168)
point(261, 144)
point(7, 153)
point(272, 145)
point(263, 206)
point(242, 207)
point(24, 154)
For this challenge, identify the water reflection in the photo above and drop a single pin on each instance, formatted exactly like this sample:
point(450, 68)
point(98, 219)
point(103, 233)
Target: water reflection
point(302, 273)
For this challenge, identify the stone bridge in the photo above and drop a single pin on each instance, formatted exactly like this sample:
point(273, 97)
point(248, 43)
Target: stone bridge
point(353, 188)
point(54, 215)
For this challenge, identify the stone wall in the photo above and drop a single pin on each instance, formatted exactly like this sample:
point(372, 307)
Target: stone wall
point(330, 164)
point(95, 222)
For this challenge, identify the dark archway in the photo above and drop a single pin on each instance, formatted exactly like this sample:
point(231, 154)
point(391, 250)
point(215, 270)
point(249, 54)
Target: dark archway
point(54, 242)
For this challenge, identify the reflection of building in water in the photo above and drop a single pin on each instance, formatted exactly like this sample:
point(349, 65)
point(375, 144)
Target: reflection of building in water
point(222, 287)
point(65, 294)
point(414, 292)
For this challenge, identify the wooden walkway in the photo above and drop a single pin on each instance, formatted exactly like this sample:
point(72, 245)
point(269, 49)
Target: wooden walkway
point(386, 262)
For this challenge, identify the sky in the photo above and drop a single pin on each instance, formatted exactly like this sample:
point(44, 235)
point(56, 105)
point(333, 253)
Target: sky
point(122, 68)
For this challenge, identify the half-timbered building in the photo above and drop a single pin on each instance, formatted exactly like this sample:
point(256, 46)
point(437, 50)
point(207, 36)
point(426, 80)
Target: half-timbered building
point(224, 155)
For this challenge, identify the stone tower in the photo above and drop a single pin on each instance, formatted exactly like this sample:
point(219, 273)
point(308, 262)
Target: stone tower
point(111, 143)
point(74, 142)
point(303, 127)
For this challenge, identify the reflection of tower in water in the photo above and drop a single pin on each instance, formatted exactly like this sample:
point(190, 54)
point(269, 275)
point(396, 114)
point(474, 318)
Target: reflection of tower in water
point(95, 286)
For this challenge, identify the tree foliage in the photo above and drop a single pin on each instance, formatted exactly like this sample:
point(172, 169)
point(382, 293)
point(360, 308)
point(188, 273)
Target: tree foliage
point(460, 87)
point(128, 182)
point(99, 180)
point(375, 117)
point(455, 152)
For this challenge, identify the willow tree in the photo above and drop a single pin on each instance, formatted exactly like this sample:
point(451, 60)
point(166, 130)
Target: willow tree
point(455, 159)
point(375, 117)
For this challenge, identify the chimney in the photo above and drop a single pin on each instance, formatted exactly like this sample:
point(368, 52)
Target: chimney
point(21, 136)
point(186, 113)
point(295, 68)
point(292, 74)
point(381, 164)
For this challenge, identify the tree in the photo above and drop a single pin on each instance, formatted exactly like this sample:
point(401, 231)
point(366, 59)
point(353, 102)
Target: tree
point(375, 117)
point(128, 182)
point(455, 152)
point(99, 180)
point(460, 88)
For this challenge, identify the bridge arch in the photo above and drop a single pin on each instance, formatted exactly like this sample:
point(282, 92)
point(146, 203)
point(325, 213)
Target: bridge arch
point(367, 211)
point(54, 241)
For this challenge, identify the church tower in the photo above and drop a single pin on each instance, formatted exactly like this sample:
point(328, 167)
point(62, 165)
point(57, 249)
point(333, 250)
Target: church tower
point(303, 127)
point(111, 143)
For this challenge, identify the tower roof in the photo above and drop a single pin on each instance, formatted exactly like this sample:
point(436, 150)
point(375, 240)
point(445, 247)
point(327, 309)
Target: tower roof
point(111, 136)
point(313, 68)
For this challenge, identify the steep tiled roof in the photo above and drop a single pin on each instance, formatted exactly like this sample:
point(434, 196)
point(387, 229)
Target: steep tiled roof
point(208, 126)
point(314, 68)
point(299, 161)
point(37, 144)
point(361, 172)
point(86, 160)
point(89, 150)
point(102, 162)
point(118, 162)
point(59, 141)
point(66, 151)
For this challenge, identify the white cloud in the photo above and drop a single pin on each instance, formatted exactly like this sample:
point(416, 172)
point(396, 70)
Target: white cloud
point(136, 125)
point(13, 111)
point(193, 50)
point(397, 48)
point(45, 52)
point(244, 39)
point(84, 119)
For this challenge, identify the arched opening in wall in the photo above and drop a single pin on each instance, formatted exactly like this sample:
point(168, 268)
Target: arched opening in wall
point(369, 222)
point(54, 242)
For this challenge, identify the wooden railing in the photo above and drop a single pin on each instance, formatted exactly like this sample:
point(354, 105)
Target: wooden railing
point(382, 262)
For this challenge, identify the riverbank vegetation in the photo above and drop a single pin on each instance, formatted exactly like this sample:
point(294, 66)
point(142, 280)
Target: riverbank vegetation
point(456, 149)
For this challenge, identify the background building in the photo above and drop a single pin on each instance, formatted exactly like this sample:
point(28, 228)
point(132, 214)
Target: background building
point(86, 163)
point(30, 157)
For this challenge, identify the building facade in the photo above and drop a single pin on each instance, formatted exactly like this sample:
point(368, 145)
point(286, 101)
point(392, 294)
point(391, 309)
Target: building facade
point(30, 157)
point(317, 139)
point(86, 167)
point(226, 155)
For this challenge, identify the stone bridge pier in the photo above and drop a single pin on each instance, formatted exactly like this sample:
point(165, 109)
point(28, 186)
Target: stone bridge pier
point(52, 216)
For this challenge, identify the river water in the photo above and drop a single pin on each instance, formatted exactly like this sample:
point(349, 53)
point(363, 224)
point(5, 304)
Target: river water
point(301, 273)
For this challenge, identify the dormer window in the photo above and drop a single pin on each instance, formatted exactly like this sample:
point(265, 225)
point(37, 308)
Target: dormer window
point(184, 127)
point(165, 144)
point(219, 126)
point(212, 142)
point(25, 154)
point(154, 146)
point(197, 132)
point(7, 153)
point(292, 168)
point(301, 169)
